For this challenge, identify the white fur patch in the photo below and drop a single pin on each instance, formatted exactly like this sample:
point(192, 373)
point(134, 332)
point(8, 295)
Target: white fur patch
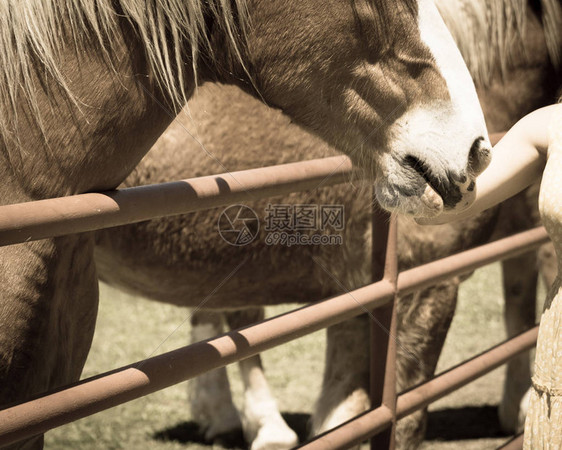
point(438, 38)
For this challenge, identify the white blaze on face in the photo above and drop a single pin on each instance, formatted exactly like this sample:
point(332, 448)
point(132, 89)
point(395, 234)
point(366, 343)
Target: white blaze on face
point(462, 121)
point(436, 35)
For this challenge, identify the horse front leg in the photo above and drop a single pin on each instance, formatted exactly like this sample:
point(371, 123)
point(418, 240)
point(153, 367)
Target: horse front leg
point(210, 397)
point(48, 310)
point(423, 322)
point(264, 427)
point(345, 387)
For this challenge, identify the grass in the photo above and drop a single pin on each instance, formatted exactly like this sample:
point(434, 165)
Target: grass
point(130, 329)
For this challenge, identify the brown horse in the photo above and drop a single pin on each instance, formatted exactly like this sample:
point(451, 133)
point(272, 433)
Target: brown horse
point(87, 86)
point(180, 260)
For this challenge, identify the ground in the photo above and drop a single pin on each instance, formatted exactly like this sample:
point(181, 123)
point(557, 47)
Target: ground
point(131, 329)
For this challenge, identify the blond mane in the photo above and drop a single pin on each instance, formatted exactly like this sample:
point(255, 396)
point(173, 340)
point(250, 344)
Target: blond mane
point(33, 32)
point(491, 32)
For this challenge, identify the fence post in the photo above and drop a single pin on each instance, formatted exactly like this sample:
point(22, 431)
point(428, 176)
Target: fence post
point(383, 324)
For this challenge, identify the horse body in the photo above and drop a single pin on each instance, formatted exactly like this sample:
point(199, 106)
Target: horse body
point(170, 260)
point(50, 290)
point(88, 85)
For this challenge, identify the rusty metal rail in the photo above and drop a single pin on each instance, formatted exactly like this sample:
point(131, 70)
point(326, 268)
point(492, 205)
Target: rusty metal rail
point(87, 212)
point(144, 377)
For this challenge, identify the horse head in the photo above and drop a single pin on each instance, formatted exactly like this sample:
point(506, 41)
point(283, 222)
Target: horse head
point(384, 83)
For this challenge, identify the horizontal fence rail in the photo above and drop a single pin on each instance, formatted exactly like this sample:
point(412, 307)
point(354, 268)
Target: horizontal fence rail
point(409, 281)
point(24, 222)
point(147, 376)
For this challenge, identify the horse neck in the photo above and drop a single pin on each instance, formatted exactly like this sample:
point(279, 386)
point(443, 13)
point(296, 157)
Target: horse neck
point(90, 141)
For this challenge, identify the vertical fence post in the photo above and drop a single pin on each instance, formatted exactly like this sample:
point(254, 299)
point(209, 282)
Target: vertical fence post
point(383, 324)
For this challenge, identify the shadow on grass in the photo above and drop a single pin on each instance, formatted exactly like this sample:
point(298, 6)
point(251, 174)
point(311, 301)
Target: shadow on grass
point(191, 433)
point(471, 422)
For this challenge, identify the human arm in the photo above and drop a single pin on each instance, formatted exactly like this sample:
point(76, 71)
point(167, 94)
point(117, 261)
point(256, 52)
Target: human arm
point(518, 160)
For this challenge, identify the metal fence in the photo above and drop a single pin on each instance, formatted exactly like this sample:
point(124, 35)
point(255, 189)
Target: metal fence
point(88, 212)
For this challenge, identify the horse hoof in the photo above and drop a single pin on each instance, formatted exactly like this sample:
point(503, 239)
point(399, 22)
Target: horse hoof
point(275, 436)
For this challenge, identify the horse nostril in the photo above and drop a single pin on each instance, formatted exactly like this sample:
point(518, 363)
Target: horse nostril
point(478, 157)
point(475, 147)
